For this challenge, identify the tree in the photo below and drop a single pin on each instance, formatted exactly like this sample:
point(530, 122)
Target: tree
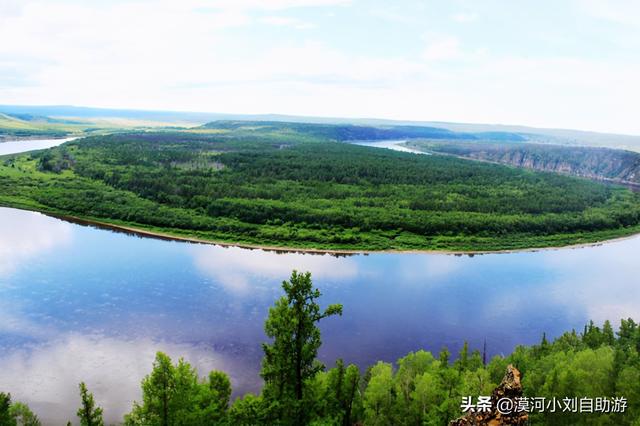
point(608, 334)
point(6, 417)
point(462, 363)
point(426, 398)
point(341, 393)
point(248, 411)
point(174, 395)
point(217, 394)
point(379, 396)
point(88, 413)
point(23, 415)
point(157, 392)
point(290, 360)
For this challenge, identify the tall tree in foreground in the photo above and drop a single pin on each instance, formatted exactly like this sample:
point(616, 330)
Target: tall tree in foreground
point(88, 413)
point(290, 360)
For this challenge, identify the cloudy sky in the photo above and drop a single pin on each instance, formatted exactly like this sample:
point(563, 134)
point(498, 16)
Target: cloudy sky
point(552, 63)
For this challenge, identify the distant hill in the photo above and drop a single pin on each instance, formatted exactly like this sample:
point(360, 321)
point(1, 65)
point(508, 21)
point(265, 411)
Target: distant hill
point(20, 126)
point(481, 131)
point(342, 132)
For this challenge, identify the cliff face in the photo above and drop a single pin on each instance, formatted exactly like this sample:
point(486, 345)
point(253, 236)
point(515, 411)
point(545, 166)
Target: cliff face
point(509, 389)
point(595, 163)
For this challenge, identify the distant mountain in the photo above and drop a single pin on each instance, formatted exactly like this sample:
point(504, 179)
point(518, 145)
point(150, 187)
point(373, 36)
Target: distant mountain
point(339, 132)
point(481, 131)
point(28, 127)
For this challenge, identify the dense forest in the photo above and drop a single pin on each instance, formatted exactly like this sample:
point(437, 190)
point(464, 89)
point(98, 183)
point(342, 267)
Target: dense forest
point(418, 389)
point(293, 188)
point(596, 163)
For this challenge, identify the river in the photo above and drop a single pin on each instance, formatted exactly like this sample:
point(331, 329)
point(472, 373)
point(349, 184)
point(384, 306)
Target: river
point(394, 145)
point(12, 147)
point(79, 303)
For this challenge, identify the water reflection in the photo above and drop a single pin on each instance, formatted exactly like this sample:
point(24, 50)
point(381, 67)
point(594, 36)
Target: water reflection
point(598, 282)
point(241, 271)
point(26, 235)
point(98, 304)
point(47, 376)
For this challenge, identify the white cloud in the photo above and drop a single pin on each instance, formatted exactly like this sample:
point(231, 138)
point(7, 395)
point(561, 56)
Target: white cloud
point(465, 17)
point(268, 5)
point(619, 11)
point(283, 21)
point(444, 49)
point(10, 8)
point(221, 56)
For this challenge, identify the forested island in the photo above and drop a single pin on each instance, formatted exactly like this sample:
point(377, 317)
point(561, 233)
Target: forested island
point(297, 185)
point(417, 389)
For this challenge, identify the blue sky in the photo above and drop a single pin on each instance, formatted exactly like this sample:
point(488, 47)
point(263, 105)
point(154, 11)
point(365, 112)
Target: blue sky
point(571, 63)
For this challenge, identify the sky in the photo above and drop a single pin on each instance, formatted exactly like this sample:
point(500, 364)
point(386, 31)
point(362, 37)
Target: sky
point(560, 63)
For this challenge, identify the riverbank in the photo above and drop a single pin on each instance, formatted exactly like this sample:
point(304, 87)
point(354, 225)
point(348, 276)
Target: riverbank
point(313, 197)
point(186, 236)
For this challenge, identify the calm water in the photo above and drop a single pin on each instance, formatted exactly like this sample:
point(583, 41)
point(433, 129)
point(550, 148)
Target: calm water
point(79, 303)
point(12, 147)
point(394, 145)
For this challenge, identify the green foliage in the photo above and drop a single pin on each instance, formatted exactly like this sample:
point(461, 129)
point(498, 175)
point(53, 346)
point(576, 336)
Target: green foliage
point(290, 359)
point(174, 395)
point(249, 410)
point(16, 413)
point(88, 413)
point(379, 395)
point(23, 415)
point(290, 188)
point(6, 417)
point(55, 160)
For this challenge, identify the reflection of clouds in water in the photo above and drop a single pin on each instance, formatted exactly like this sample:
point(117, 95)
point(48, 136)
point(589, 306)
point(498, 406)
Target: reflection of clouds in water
point(601, 280)
point(46, 377)
point(14, 322)
point(428, 268)
point(234, 267)
point(26, 234)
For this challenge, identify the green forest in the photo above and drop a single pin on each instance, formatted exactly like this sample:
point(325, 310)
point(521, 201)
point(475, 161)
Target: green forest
point(294, 186)
point(418, 389)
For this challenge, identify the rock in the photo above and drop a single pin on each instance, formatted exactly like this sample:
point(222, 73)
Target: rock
point(510, 388)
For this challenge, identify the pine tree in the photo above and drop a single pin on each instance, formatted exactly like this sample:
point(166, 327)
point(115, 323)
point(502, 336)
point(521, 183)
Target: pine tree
point(290, 360)
point(88, 413)
point(607, 333)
